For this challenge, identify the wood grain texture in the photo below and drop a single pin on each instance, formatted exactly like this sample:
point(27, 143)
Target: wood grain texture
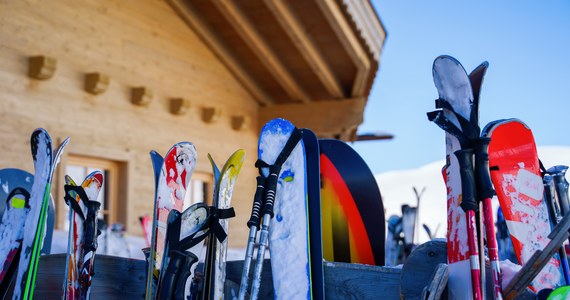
point(122, 278)
point(136, 43)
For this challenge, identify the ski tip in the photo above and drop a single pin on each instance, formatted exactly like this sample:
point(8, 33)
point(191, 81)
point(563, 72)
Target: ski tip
point(278, 125)
point(69, 180)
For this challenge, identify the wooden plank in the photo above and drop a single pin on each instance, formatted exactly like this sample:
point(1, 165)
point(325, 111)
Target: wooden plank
point(256, 43)
point(123, 278)
point(350, 42)
point(195, 22)
point(334, 117)
point(286, 17)
point(417, 272)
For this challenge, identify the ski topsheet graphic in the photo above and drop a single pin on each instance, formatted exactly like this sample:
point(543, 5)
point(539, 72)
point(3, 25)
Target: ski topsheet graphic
point(352, 208)
point(45, 162)
point(83, 209)
point(515, 172)
point(171, 184)
point(16, 185)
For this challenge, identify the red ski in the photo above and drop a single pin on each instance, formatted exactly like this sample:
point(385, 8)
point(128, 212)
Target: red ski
point(515, 172)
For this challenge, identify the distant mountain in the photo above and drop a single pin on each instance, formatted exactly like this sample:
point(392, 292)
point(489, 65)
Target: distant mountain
point(396, 188)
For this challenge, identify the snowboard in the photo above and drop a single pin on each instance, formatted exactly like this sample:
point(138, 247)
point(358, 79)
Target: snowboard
point(215, 262)
point(312, 158)
point(45, 163)
point(81, 235)
point(353, 221)
point(288, 229)
point(171, 184)
point(515, 172)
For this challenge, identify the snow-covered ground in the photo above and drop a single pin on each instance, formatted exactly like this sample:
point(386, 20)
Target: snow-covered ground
point(396, 188)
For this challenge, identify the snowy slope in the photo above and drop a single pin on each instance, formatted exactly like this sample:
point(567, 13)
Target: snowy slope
point(397, 189)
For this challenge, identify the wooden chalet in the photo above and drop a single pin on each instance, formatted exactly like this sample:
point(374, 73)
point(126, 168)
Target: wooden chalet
point(125, 77)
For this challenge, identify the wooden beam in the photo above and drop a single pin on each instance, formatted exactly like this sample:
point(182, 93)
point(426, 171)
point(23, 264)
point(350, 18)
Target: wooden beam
point(291, 25)
point(350, 43)
point(326, 118)
point(212, 41)
point(256, 43)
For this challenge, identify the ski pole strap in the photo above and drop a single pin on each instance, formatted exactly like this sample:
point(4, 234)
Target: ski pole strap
point(275, 169)
point(216, 214)
point(19, 191)
point(468, 189)
point(483, 177)
point(255, 218)
point(71, 200)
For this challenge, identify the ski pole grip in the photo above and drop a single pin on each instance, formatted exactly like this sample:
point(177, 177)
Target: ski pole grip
point(468, 189)
point(255, 218)
point(271, 189)
point(558, 174)
point(484, 184)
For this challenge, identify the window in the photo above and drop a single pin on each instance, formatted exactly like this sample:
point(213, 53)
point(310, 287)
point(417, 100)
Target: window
point(78, 167)
point(200, 189)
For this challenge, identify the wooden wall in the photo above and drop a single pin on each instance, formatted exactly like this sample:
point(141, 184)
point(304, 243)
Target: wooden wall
point(136, 43)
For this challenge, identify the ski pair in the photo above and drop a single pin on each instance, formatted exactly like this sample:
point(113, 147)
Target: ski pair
point(31, 212)
point(466, 175)
point(524, 195)
point(173, 233)
point(83, 233)
point(280, 212)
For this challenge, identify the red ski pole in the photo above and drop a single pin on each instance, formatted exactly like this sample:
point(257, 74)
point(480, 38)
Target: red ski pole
point(470, 206)
point(485, 192)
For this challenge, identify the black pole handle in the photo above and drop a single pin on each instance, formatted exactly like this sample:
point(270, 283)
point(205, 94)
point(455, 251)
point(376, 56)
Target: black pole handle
point(468, 188)
point(271, 189)
point(255, 218)
point(558, 174)
point(483, 177)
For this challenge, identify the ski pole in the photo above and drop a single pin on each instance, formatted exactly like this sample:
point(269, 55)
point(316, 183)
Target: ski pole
point(271, 190)
point(485, 192)
point(561, 185)
point(253, 225)
point(550, 197)
point(470, 206)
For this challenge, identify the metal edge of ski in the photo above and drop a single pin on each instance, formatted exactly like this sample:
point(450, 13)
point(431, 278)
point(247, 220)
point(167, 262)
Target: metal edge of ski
point(214, 266)
point(44, 164)
point(78, 263)
point(181, 156)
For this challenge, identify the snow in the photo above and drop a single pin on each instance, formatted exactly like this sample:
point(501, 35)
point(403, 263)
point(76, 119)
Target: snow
point(396, 188)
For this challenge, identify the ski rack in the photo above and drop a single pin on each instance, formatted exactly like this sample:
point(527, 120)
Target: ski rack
point(124, 278)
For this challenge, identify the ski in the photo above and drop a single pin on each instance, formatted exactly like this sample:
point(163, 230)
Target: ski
point(184, 231)
point(281, 160)
point(45, 163)
point(515, 172)
point(354, 226)
point(171, 183)
point(83, 209)
point(17, 185)
point(215, 263)
point(312, 158)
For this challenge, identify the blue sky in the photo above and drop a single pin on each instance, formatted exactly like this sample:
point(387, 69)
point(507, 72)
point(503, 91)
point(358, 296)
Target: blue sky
point(527, 45)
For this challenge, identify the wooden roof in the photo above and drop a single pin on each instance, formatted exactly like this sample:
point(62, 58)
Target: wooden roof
point(310, 61)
